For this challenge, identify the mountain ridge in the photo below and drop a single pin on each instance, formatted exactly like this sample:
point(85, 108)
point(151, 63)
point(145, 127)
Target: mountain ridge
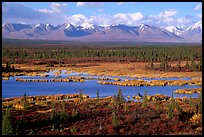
point(92, 32)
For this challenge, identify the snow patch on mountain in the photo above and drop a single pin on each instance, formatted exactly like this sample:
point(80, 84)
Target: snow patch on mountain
point(117, 32)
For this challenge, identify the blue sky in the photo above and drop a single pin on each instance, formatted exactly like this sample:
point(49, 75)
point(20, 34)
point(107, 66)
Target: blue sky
point(106, 13)
point(183, 8)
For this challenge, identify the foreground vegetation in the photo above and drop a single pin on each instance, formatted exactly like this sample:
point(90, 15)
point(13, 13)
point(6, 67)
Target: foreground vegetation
point(110, 116)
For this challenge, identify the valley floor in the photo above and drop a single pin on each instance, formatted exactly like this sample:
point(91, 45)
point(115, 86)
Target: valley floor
point(132, 69)
point(110, 117)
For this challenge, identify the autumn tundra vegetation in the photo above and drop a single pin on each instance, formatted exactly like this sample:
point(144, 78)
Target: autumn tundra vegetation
point(78, 114)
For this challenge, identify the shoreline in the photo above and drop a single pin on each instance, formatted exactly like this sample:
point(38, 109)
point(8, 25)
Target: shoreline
point(133, 70)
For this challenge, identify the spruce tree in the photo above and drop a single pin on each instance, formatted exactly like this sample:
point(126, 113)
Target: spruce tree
point(171, 107)
point(97, 96)
point(7, 128)
point(80, 96)
point(145, 100)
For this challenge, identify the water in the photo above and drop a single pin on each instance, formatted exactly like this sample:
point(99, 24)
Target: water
point(11, 88)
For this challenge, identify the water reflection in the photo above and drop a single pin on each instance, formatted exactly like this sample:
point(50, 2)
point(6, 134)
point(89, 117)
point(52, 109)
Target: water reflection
point(11, 88)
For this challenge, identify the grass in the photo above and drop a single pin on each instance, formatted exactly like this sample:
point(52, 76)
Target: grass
point(131, 69)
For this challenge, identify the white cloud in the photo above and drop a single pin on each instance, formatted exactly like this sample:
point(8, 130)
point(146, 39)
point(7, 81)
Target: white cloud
point(120, 18)
point(100, 10)
point(55, 8)
point(167, 20)
point(102, 19)
point(45, 10)
point(198, 7)
point(168, 13)
point(136, 16)
point(80, 16)
point(121, 3)
point(77, 19)
point(128, 18)
point(92, 4)
point(80, 19)
point(199, 16)
point(182, 20)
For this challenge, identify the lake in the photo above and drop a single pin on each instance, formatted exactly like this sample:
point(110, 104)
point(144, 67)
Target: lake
point(12, 88)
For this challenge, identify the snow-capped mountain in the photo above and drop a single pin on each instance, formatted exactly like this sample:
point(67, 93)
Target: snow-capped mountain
point(11, 27)
point(92, 32)
point(192, 33)
point(40, 29)
point(91, 26)
point(197, 25)
point(178, 30)
point(153, 30)
point(49, 27)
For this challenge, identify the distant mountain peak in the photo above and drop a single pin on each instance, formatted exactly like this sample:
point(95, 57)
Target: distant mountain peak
point(15, 26)
point(115, 24)
point(88, 26)
point(145, 27)
point(47, 25)
point(197, 25)
point(90, 32)
point(181, 27)
point(40, 25)
point(104, 26)
point(178, 30)
point(68, 25)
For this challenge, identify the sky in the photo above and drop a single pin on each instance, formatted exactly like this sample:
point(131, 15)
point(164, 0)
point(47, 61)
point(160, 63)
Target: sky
point(163, 14)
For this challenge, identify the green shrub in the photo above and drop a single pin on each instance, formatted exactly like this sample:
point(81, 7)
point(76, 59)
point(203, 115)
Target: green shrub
point(145, 100)
point(114, 119)
point(31, 132)
point(63, 115)
point(53, 112)
point(97, 97)
point(120, 97)
point(25, 102)
point(53, 127)
point(125, 107)
point(191, 102)
point(171, 107)
point(200, 102)
point(80, 96)
point(114, 101)
point(74, 113)
point(7, 128)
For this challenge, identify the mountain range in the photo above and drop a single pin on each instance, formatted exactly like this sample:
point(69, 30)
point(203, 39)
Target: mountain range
point(91, 32)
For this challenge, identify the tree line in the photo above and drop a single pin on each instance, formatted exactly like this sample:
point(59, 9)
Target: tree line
point(147, 53)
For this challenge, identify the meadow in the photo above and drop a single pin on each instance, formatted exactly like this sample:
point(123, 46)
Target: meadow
point(77, 113)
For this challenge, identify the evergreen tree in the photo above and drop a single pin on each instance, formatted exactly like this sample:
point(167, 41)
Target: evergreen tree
point(25, 102)
point(53, 112)
point(120, 98)
point(8, 66)
point(114, 119)
point(187, 65)
point(63, 112)
point(80, 96)
point(97, 96)
point(145, 100)
point(171, 107)
point(7, 128)
point(193, 66)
